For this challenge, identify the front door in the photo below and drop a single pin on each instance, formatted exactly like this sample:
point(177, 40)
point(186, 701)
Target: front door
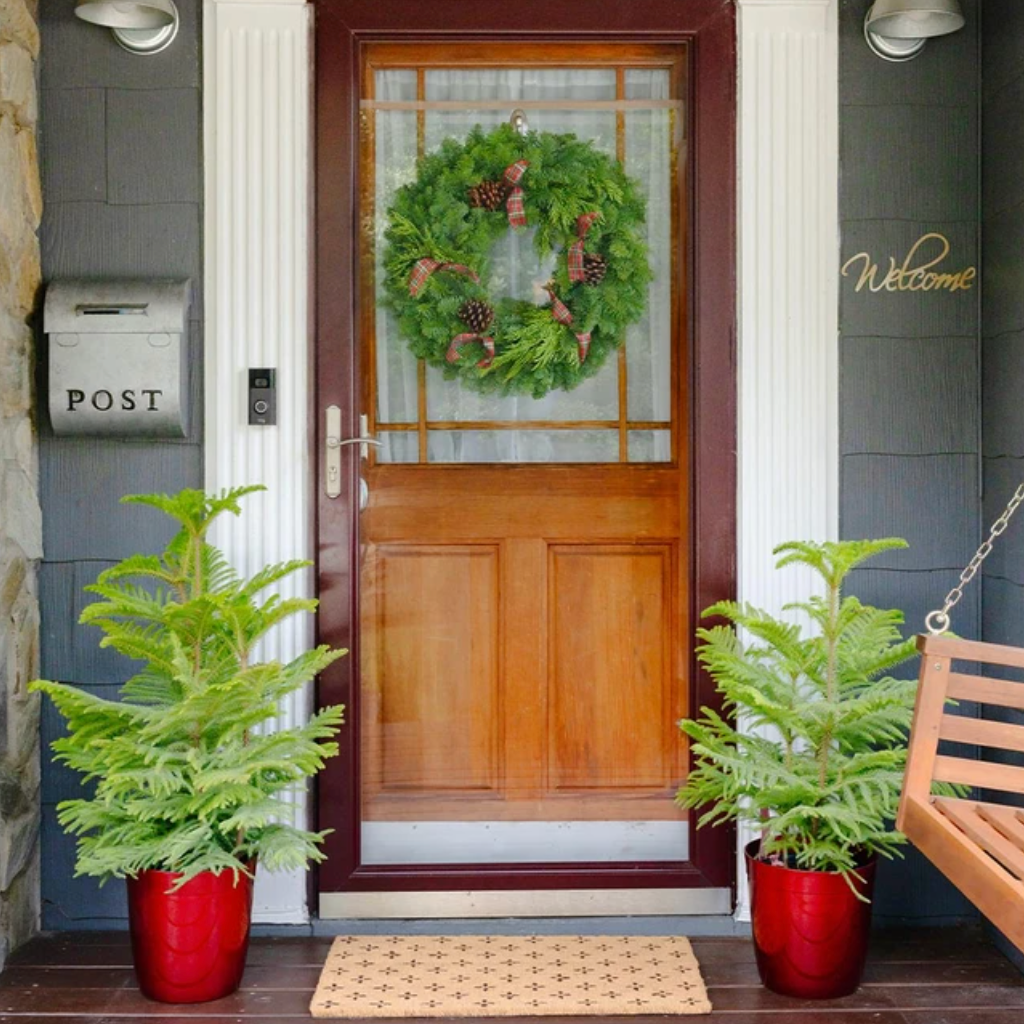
point(523, 567)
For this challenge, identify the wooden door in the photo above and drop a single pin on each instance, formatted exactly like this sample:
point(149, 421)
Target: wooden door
point(525, 568)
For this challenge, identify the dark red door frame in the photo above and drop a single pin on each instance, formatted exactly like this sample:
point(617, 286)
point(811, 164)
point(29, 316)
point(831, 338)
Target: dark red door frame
point(708, 27)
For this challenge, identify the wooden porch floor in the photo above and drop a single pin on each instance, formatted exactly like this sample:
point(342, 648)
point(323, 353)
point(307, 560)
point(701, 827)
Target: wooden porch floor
point(949, 976)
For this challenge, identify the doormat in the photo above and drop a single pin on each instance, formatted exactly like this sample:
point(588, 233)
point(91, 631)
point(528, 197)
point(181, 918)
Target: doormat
point(498, 976)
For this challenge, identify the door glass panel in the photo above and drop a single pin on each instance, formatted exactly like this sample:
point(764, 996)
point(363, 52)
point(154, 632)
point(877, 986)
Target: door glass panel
point(545, 446)
point(597, 398)
point(510, 85)
point(650, 446)
point(640, 378)
point(396, 151)
point(648, 159)
point(397, 84)
point(401, 447)
point(647, 84)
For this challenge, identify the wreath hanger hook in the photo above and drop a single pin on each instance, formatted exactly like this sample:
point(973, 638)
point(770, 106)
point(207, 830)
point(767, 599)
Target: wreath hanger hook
point(519, 122)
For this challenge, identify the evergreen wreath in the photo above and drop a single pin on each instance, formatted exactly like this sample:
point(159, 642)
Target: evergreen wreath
point(465, 197)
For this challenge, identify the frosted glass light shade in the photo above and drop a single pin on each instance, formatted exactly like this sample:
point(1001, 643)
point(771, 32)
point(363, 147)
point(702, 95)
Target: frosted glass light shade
point(914, 19)
point(140, 26)
point(126, 13)
point(896, 30)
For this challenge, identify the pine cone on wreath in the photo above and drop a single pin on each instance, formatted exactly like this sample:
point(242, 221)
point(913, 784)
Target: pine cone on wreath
point(488, 194)
point(477, 315)
point(595, 266)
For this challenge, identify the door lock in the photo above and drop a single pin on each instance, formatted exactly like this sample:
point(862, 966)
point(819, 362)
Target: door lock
point(334, 444)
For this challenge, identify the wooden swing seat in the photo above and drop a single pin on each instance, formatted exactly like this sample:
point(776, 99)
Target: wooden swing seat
point(978, 846)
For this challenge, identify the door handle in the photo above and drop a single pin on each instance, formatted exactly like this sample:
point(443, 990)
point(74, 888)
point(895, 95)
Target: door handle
point(334, 443)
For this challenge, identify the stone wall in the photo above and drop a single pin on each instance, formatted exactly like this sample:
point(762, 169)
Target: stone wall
point(20, 517)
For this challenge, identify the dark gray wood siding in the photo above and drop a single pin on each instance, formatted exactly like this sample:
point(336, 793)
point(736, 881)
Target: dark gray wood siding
point(909, 362)
point(122, 177)
point(1002, 334)
point(1003, 319)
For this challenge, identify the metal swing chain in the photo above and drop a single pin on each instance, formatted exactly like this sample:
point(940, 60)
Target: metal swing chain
point(937, 621)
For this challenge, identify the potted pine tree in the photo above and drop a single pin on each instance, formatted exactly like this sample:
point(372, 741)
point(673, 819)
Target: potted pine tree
point(812, 758)
point(188, 782)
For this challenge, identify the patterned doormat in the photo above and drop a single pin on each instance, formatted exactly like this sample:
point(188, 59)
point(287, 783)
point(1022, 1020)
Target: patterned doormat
point(498, 976)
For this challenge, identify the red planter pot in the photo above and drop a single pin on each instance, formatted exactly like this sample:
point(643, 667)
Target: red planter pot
point(810, 931)
point(189, 946)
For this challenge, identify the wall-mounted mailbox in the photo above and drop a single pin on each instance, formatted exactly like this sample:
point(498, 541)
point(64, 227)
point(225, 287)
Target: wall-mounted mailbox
point(117, 357)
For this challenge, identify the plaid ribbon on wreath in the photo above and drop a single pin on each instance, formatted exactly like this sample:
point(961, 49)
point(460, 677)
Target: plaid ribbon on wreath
point(560, 312)
point(425, 267)
point(459, 340)
point(516, 209)
point(583, 341)
point(575, 254)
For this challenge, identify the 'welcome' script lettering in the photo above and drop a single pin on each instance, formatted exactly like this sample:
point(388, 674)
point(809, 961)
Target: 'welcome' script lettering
point(916, 273)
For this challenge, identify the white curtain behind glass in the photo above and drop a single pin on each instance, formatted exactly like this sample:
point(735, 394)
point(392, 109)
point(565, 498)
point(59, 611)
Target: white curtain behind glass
point(517, 272)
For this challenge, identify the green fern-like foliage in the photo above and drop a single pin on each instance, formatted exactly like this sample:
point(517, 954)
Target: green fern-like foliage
point(186, 780)
point(815, 759)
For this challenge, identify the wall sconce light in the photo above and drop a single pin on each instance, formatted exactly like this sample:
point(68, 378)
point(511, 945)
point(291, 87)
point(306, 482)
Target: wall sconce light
point(897, 30)
point(140, 26)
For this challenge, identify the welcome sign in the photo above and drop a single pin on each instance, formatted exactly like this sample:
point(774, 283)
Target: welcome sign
point(922, 269)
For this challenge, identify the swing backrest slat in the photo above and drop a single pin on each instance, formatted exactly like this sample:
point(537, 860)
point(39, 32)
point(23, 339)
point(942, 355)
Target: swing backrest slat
point(983, 774)
point(971, 650)
point(982, 733)
point(986, 691)
point(934, 722)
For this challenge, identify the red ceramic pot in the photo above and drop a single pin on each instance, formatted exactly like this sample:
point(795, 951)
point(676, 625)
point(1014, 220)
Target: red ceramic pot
point(189, 946)
point(810, 931)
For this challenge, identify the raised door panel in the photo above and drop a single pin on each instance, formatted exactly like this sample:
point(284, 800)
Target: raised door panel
point(610, 691)
point(431, 714)
point(558, 503)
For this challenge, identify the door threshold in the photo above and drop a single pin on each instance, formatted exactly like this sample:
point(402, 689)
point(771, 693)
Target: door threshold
point(533, 903)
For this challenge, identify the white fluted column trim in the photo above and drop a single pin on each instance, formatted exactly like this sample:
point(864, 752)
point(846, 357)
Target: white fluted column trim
point(257, 149)
point(788, 295)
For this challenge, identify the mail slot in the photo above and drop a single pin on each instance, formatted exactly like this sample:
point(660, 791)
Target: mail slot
point(117, 357)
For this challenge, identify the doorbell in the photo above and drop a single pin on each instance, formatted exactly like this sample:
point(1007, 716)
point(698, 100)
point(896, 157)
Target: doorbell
point(262, 397)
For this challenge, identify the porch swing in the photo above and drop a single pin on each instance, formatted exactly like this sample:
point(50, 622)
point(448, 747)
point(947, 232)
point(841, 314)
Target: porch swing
point(978, 846)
